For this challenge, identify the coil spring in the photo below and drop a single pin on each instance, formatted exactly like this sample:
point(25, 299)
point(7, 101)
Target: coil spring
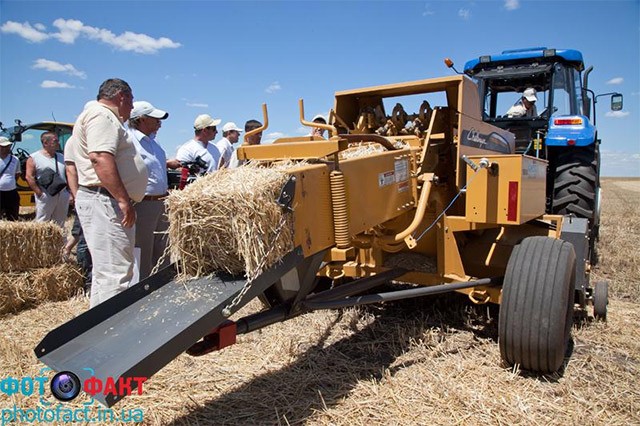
point(340, 215)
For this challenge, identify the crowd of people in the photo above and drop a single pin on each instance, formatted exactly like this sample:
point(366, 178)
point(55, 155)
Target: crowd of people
point(115, 173)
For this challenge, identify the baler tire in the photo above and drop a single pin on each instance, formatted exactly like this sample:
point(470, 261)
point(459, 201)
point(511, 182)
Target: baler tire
point(600, 300)
point(536, 312)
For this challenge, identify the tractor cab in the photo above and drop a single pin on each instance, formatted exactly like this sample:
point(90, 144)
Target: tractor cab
point(26, 140)
point(553, 74)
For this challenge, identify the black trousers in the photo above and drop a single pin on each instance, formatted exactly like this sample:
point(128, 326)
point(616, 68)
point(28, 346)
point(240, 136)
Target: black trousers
point(9, 204)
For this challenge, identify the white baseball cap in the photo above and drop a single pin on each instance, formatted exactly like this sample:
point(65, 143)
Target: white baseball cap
point(319, 117)
point(141, 108)
point(231, 126)
point(204, 120)
point(530, 95)
point(4, 141)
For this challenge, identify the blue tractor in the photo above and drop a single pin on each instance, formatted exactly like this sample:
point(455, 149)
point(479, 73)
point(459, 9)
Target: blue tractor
point(559, 128)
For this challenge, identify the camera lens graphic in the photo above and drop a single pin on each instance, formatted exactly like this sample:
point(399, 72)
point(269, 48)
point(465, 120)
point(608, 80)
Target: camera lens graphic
point(65, 386)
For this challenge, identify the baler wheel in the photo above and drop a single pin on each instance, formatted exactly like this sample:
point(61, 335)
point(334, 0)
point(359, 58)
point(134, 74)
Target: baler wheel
point(600, 300)
point(536, 312)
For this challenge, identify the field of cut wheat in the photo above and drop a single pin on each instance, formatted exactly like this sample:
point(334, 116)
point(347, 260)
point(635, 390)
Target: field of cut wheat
point(423, 361)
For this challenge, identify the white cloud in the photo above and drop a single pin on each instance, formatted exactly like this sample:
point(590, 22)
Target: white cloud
point(616, 80)
point(273, 87)
point(511, 4)
point(50, 84)
point(53, 66)
point(427, 10)
point(69, 30)
point(617, 114)
point(270, 137)
point(302, 130)
point(464, 14)
point(40, 27)
point(25, 30)
point(197, 105)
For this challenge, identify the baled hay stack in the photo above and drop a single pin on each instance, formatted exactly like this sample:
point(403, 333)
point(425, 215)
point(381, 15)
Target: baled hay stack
point(230, 221)
point(29, 245)
point(23, 290)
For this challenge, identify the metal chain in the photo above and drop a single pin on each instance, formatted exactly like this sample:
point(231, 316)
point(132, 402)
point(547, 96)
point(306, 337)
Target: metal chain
point(226, 312)
point(160, 261)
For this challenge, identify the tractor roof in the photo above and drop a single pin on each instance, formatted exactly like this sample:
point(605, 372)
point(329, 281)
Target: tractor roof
point(528, 55)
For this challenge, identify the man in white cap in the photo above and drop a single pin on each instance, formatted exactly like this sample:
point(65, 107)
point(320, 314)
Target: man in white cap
point(317, 131)
point(525, 106)
point(205, 129)
point(9, 171)
point(230, 135)
point(151, 219)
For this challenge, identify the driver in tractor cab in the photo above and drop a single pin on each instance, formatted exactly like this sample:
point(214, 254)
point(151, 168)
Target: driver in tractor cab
point(525, 106)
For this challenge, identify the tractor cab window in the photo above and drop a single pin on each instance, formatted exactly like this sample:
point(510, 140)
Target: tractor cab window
point(567, 91)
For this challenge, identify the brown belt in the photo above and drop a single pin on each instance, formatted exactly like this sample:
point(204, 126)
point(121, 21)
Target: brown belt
point(95, 189)
point(154, 197)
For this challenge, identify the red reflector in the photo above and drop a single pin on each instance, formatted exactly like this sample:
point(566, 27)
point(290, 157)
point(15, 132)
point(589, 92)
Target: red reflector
point(512, 206)
point(567, 121)
point(571, 142)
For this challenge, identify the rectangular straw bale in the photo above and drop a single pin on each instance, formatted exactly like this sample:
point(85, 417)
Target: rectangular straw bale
point(29, 245)
point(230, 221)
point(23, 290)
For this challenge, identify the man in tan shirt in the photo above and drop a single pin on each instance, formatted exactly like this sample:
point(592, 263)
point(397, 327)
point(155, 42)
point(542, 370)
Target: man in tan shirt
point(111, 175)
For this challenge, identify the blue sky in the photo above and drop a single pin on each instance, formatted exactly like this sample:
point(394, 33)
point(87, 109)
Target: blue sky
point(227, 58)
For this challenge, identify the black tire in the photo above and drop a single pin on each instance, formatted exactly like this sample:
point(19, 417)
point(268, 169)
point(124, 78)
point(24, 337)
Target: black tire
point(536, 312)
point(600, 300)
point(576, 190)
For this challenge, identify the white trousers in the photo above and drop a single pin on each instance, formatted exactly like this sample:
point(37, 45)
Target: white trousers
point(110, 244)
point(53, 208)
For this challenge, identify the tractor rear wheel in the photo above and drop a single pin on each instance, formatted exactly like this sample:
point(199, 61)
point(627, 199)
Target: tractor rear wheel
point(536, 312)
point(576, 190)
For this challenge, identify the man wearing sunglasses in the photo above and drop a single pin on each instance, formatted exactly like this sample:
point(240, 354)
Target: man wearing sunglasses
point(200, 146)
point(151, 219)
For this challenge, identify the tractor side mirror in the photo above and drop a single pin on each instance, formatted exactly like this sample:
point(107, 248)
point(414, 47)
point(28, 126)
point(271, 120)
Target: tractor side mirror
point(616, 102)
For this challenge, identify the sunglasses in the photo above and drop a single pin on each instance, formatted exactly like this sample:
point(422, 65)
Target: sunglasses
point(214, 128)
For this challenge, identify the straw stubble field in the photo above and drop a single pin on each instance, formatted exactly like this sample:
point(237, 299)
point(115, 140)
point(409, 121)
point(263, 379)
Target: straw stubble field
point(426, 361)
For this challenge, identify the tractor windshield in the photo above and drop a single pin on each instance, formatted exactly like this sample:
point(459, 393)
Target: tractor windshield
point(557, 89)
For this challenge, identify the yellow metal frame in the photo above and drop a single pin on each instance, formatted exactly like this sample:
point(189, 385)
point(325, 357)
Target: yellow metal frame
point(366, 208)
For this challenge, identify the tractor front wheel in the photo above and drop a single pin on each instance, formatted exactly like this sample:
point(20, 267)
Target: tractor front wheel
point(536, 312)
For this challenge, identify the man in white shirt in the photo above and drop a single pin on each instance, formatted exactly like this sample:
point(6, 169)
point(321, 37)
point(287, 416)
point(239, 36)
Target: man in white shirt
point(151, 219)
point(111, 176)
point(525, 106)
point(9, 171)
point(200, 146)
point(230, 135)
